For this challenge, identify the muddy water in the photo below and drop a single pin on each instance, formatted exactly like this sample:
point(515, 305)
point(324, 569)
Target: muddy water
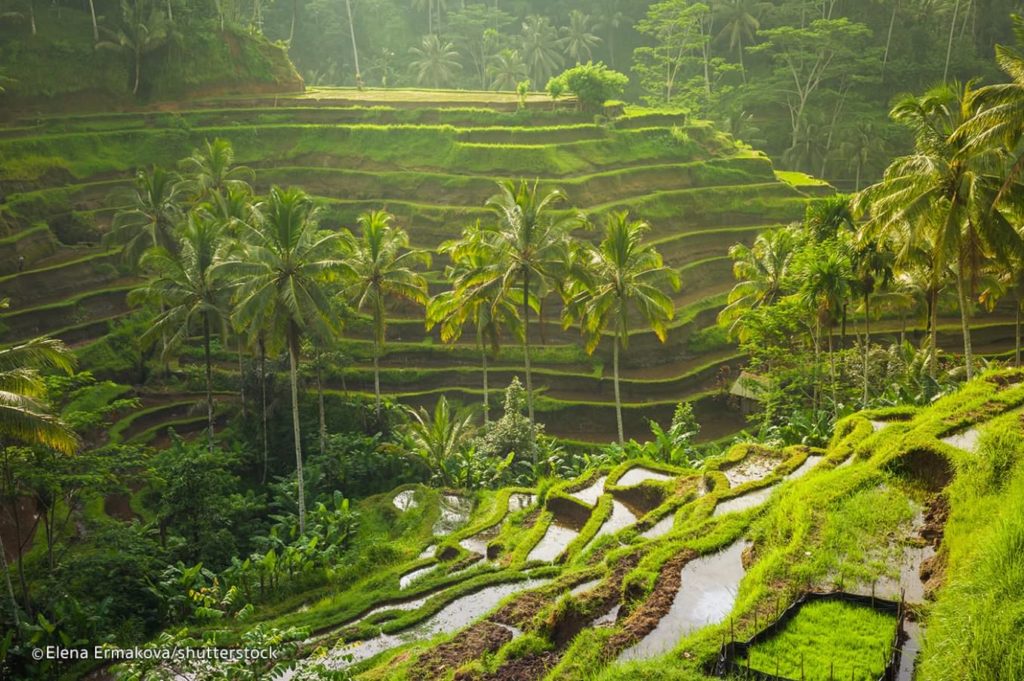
point(909, 582)
point(660, 528)
point(458, 614)
point(911, 648)
point(609, 618)
point(742, 503)
point(554, 541)
point(620, 518)
point(407, 579)
point(750, 469)
point(404, 500)
point(584, 587)
point(454, 514)
point(635, 476)
point(517, 501)
point(706, 596)
point(478, 542)
point(967, 440)
point(805, 467)
point(878, 425)
point(589, 495)
point(429, 551)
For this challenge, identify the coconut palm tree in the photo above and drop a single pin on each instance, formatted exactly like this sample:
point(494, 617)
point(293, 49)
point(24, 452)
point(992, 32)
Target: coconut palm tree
point(540, 48)
point(153, 211)
point(435, 63)
point(620, 279)
point(474, 297)
point(577, 41)
point(740, 26)
point(440, 436)
point(211, 171)
point(872, 265)
point(826, 277)
point(144, 29)
point(507, 69)
point(947, 189)
point(281, 286)
point(761, 271)
point(24, 416)
point(523, 246)
point(190, 292)
point(378, 267)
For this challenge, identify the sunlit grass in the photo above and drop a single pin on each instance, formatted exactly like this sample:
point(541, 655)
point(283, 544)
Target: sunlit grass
point(829, 639)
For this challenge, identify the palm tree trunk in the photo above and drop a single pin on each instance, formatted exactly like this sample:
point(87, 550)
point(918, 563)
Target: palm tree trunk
point(867, 344)
point(526, 345)
point(293, 358)
point(1016, 338)
point(965, 325)
point(263, 391)
point(320, 400)
point(209, 382)
point(95, 28)
point(933, 323)
point(352, 32)
point(295, 12)
point(816, 399)
point(376, 375)
point(949, 45)
point(618, 398)
point(138, 71)
point(10, 585)
point(32, 15)
point(888, 39)
point(483, 358)
point(832, 374)
point(241, 380)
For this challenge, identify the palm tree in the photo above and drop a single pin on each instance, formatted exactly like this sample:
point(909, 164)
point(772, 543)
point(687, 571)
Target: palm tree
point(149, 220)
point(761, 271)
point(24, 416)
point(872, 265)
point(378, 267)
point(280, 286)
point(352, 35)
point(740, 27)
point(506, 70)
point(211, 171)
point(473, 297)
point(947, 189)
point(577, 41)
point(826, 288)
point(999, 120)
point(523, 246)
point(540, 48)
point(439, 437)
point(435, 63)
point(144, 29)
point(190, 292)
point(621, 278)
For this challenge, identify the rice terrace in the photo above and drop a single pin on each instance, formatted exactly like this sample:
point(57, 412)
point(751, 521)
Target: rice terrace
point(511, 341)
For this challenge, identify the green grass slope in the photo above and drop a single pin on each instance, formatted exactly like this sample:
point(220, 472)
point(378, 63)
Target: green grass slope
point(942, 484)
point(431, 158)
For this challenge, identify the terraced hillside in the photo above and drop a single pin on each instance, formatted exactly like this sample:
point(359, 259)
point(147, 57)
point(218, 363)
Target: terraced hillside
point(600, 577)
point(432, 159)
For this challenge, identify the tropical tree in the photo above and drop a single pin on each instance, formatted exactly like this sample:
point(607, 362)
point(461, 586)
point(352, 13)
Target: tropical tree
point(441, 436)
point(826, 277)
point(153, 211)
point(946, 189)
point(577, 40)
point(739, 26)
point(620, 279)
point(190, 293)
point(540, 48)
point(280, 292)
point(761, 271)
point(436, 62)
point(523, 246)
point(144, 29)
point(474, 297)
point(211, 171)
point(378, 267)
point(872, 265)
point(506, 70)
